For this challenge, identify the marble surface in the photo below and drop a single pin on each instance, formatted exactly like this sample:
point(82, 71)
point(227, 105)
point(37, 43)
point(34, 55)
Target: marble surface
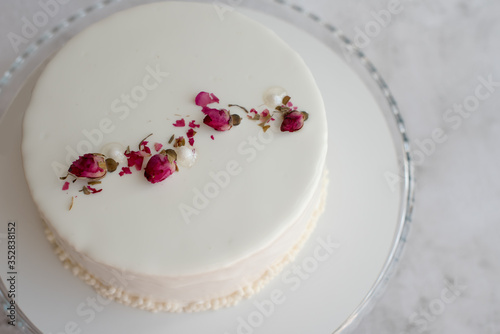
point(441, 61)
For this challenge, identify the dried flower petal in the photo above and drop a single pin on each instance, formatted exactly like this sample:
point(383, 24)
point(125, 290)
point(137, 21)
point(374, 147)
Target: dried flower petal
point(89, 166)
point(264, 127)
point(179, 142)
point(283, 109)
point(144, 142)
point(212, 137)
point(143, 147)
point(125, 170)
point(265, 119)
point(191, 141)
point(203, 99)
point(180, 123)
point(159, 167)
point(65, 186)
point(93, 190)
point(158, 147)
point(85, 190)
point(190, 133)
point(293, 121)
point(136, 158)
point(193, 124)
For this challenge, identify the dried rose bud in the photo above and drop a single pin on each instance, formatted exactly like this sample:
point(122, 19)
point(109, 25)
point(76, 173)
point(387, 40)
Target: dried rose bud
point(161, 166)
point(203, 99)
point(293, 121)
point(220, 119)
point(89, 166)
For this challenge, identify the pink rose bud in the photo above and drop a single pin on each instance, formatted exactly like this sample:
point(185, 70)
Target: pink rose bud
point(293, 121)
point(89, 166)
point(161, 166)
point(220, 119)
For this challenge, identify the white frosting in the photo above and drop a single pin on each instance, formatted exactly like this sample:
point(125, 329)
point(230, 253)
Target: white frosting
point(136, 73)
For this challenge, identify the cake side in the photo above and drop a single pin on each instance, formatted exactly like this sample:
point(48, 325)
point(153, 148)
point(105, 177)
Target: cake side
point(155, 294)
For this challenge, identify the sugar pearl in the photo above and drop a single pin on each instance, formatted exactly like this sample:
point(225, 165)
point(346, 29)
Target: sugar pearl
point(115, 151)
point(273, 96)
point(186, 156)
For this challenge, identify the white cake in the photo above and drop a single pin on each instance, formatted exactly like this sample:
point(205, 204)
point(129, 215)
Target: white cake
point(210, 233)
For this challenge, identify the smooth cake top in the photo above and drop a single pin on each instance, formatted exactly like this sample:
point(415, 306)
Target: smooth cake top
point(138, 72)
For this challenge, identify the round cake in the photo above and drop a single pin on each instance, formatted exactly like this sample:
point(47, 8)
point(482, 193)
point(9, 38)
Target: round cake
point(176, 155)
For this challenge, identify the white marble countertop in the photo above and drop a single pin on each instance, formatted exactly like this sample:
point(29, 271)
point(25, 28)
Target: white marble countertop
point(441, 61)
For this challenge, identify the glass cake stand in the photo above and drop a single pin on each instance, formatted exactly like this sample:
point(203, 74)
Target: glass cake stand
point(367, 218)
